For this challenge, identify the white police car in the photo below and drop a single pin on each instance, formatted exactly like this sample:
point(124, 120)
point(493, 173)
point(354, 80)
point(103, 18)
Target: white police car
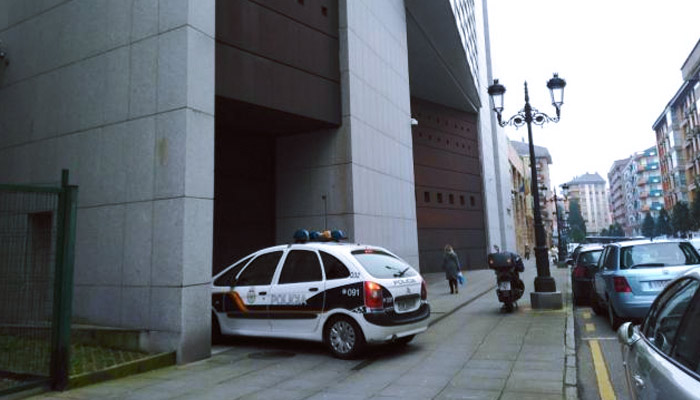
point(345, 295)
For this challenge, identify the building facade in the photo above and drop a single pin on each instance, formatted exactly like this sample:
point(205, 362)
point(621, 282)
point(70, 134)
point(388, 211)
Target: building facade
point(542, 160)
point(677, 132)
point(200, 130)
point(649, 187)
point(592, 194)
point(521, 201)
point(641, 190)
point(618, 212)
point(673, 148)
point(689, 109)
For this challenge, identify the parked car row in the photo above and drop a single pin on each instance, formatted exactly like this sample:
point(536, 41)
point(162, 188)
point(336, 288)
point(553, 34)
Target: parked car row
point(622, 279)
point(655, 282)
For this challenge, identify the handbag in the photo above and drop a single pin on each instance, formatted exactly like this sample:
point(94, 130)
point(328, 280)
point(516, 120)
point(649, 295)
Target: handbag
point(460, 278)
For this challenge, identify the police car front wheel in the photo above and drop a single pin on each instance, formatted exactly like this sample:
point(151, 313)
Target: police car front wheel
point(344, 338)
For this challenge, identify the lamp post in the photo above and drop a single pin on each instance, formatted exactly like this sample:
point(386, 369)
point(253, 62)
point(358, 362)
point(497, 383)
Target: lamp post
point(560, 221)
point(544, 283)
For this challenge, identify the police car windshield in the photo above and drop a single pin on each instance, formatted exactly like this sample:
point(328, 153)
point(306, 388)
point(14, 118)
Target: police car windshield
point(382, 265)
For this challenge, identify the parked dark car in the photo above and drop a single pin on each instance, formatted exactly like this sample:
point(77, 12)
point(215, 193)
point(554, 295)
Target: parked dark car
point(662, 356)
point(582, 271)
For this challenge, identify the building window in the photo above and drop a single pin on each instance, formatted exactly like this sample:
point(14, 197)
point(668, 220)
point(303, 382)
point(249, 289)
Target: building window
point(461, 200)
point(452, 198)
point(439, 197)
point(426, 197)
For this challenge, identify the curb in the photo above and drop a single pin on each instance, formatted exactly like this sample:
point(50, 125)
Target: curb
point(119, 371)
point(571, 373)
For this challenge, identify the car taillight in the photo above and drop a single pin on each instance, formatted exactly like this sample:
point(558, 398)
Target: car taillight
point(579, 271)
point(423, 291)
point(373, 295)
point(620, 284)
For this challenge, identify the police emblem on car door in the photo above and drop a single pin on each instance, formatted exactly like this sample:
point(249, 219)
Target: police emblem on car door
point(296, 300)
point(246, 305)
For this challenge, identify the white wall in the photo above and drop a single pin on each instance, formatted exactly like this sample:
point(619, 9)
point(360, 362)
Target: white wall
point(122, 94)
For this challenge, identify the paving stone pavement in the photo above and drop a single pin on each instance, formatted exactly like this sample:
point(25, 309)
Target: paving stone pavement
point(529, 354)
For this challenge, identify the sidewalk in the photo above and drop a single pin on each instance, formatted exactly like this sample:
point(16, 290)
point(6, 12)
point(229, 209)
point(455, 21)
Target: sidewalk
point(530, 353)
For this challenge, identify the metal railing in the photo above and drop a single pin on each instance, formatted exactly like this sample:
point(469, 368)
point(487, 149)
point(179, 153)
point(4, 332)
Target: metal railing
point(37, 238)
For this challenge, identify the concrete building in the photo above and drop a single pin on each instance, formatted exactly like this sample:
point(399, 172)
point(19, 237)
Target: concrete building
point(592, 194)
point(636, 190)
point(678, 136)
point(543, 159)
point(616, 178)
point(649, 188)
point(670, 141)
point(199, 130)
point(521, 201)
point(689, 109)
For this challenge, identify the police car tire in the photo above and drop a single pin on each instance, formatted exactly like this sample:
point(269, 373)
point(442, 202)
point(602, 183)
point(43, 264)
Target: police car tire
point(403, 341)
point(341, 331)
point(216, 336)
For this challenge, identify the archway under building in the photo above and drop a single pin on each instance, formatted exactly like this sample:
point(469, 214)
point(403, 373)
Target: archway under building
point(245, 178)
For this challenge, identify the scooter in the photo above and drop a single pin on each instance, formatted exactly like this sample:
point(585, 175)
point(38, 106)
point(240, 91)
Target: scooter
point(507, 266)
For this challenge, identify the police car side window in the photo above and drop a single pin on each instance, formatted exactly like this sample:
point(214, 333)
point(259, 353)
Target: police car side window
point(334, 268)
point(260, 270)
point(227, 279)
point(301, 266)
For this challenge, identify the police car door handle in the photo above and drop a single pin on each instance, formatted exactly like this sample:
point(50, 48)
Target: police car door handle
point(313, 289)
point(262, 293)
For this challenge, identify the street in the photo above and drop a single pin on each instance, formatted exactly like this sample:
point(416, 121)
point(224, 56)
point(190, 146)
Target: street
point(595, 336)
point(474, 351)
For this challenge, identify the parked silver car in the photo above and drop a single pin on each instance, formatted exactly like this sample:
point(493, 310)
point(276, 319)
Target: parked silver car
point(662, 356)
point(631, 274)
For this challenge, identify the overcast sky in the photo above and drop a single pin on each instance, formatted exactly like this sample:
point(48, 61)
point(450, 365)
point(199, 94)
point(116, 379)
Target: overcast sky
point(621, 60)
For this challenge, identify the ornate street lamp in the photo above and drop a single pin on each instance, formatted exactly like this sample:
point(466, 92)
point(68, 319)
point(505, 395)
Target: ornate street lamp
point(561, 222)
point(545, 295)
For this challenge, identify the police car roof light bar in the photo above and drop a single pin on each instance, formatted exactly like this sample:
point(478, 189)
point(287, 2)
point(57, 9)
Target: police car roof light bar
point(303, 236)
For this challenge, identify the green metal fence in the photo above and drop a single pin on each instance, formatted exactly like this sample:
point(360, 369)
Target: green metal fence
point(37, 237)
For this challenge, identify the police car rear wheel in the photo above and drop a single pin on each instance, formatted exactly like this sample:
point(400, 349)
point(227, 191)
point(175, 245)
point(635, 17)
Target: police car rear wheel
point(344, 338)
point(216, 336)
point(403, 341)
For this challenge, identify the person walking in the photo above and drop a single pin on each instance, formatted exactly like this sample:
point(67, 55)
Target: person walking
point(527, 251)
point(450, 264)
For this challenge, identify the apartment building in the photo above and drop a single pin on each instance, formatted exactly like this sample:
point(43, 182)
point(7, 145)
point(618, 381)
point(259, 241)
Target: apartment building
point(592, 194)
point(616, 178)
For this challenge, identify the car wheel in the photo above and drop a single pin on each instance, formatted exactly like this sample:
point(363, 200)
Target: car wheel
point(615, 321)
point(216, 336)
point(575, 299)
point(343, 337)
point(403, 341)
point(595, 305)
